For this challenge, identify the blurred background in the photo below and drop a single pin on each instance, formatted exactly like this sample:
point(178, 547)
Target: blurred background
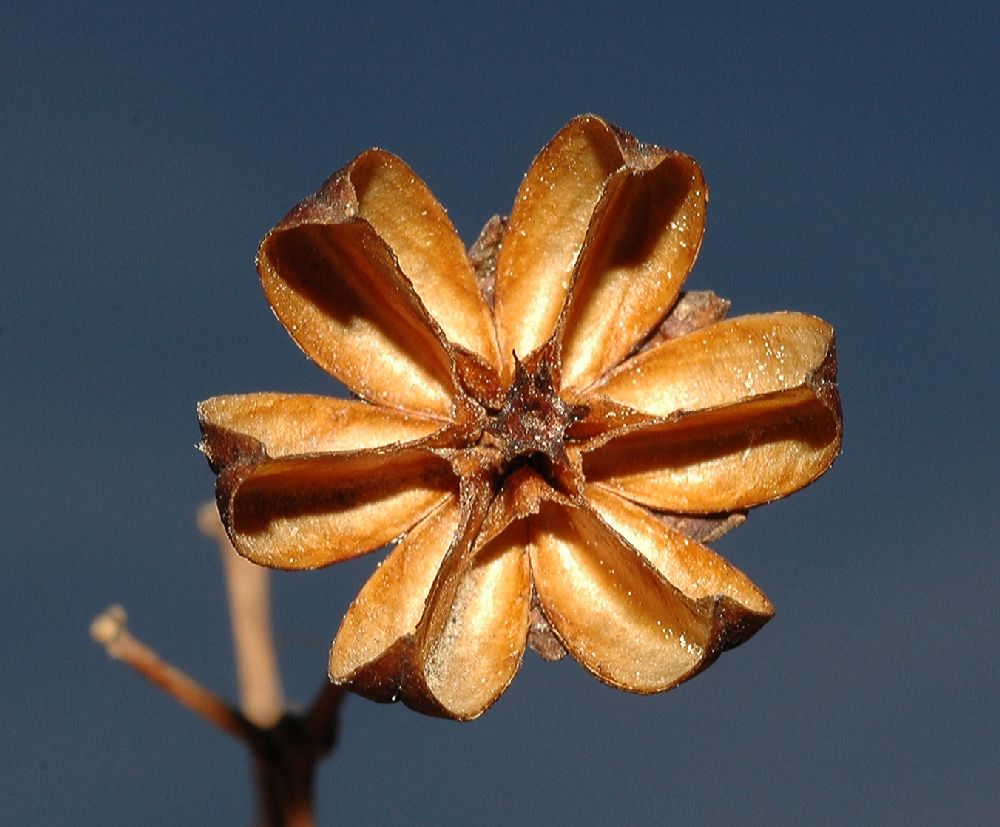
point(852, 160)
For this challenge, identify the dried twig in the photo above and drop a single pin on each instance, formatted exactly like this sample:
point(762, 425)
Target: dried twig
point(110, 630)
point(286, 746)
point(247, 585)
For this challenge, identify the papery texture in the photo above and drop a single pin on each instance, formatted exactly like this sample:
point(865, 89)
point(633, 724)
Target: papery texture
point(547, 429)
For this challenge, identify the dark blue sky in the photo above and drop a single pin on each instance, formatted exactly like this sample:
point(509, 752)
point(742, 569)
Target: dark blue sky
point(852, 160)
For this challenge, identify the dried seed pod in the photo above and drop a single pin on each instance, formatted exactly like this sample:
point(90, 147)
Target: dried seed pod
point(545, 425)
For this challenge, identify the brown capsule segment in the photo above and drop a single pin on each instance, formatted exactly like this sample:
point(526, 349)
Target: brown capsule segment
point(642, 243)
point(723, 364)
point(304, 512)
point(337, 288)
point(613, 611)
point(383, 618)
point(722, 459)
point(287, 424)
point(406, 215)
point(692, 567)
point(546, 230)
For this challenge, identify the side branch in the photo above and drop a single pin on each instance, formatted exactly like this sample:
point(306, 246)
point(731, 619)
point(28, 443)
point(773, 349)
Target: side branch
point(111, 631)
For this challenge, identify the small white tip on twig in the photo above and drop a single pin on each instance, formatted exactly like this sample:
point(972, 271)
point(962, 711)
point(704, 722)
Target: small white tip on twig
point(107, 626)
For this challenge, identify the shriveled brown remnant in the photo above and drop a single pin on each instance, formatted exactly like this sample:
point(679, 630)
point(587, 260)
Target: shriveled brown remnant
point(549, 426)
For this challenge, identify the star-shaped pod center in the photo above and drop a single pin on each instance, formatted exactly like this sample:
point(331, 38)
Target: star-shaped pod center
point(530, 427)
